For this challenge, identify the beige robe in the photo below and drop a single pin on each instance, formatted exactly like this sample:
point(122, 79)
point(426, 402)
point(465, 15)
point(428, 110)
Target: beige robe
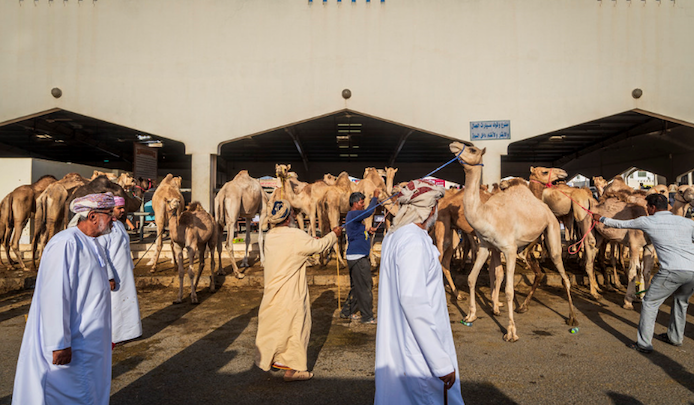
point(284, 318)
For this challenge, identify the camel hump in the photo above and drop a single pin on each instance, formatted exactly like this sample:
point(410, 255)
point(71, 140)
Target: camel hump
point(242, 173)
point(195, 206)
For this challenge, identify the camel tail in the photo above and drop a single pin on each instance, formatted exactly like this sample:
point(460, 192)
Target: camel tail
point(219, 212)
point(5, 224)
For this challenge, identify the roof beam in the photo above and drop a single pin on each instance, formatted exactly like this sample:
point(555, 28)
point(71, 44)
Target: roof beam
point(398, 148)
point(299, 147)
point(650, 126)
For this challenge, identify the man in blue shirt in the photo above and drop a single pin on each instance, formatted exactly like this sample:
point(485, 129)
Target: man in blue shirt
point(359, 246)
point(673, 240)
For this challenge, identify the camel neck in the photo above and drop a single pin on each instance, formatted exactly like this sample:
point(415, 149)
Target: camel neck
point(536, 188)
point(471, 197)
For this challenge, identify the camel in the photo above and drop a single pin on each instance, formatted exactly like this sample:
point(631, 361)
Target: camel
point(241, 197)
point(303, 197)
point(333, 205)
point(194, 230)
point(683, 196)
point(102, 184)
point(169, 189)
point(372, 180)
point(50, 211)
point(635, 240)
point(507, 222)
point(15, 210)
point(600, 184)
point(570, 205)
point(452, 216)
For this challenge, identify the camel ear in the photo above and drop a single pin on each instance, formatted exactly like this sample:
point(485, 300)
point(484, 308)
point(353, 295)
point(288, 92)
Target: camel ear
point(289, 167)
point(381, 172)
point(455, 147)
point(532, 168)
point(395, 170)
point(484, 150)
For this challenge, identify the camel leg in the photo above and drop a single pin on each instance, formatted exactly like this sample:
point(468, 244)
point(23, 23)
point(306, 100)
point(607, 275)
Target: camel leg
point(613, 261)
point(553, 239)
point(496, 277)
point(159, 243)
point(473, 248)
point(211, 246)
point(231, 226)
point(368, 223)
point(244, 263)
point(631, 277)
point(510, 254)
point(589, 250)
point(482, 255)
point(443, 236)
point(178, 251)
point(18, 228)
point(535, 267)
point(191, 273)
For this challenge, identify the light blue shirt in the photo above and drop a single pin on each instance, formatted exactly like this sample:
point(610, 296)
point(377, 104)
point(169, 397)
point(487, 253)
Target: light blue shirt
point(671, 235)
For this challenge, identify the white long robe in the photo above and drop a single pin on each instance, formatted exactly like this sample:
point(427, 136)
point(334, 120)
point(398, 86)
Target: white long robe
point(71, 307)
point(414, 343)
point(284, 317)
point(125, 309)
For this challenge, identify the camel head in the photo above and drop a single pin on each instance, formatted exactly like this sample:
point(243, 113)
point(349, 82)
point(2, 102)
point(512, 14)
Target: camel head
point(329, 179)
point(600, 183)
point(547, 175)
point(390, 172)
point(282, 171)
point(172, 205)
point(471, 155)
point(126, 181)
point(369, 171)
point(689, 195)
point(660, 189)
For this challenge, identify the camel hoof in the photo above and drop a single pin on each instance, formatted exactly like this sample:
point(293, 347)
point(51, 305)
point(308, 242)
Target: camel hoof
point(572, 321)
point(627, 305)
point(470, 318)
point(459, 296)
point(177, 302)
point(522, 309)
point(153, 270)
point(194, 301)
point(596, 296)
point(240, 275)
point(510, 338)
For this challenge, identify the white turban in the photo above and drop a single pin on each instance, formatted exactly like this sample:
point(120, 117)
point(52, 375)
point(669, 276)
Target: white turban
point(82, 206)
point(279, 211)
point(416, 200)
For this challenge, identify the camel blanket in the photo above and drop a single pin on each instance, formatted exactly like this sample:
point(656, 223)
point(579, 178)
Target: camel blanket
point(284, 318)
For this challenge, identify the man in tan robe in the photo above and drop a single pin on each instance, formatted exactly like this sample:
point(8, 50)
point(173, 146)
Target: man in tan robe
point(284, 318)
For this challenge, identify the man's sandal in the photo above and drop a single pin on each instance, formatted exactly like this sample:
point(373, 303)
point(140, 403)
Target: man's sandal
point(640, 349)
point(663, 337)
point(298, 376)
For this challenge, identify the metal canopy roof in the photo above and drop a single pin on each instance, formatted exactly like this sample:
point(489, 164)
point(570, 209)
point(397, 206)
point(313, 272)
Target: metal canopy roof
point(69, 137)
point(562, 146)
point(345, 136)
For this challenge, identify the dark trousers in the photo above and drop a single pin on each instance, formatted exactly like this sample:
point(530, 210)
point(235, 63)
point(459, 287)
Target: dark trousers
point(360, 285)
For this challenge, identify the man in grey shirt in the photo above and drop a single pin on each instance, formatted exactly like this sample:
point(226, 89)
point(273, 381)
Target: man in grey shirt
point(673, 239)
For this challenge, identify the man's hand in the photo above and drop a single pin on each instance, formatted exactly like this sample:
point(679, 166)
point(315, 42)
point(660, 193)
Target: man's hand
point(372, 230)
point(338, 231)
point(596, 217)
point(112, 283)
point(377, 193)
point(448, 380)
point(62, 357)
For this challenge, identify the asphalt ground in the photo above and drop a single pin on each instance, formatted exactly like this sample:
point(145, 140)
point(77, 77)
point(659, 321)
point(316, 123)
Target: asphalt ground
point(204, 354)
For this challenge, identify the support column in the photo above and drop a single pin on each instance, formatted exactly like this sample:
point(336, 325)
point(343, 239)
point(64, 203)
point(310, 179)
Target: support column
point(491, 172)
point(689, 178)
point(203, 178)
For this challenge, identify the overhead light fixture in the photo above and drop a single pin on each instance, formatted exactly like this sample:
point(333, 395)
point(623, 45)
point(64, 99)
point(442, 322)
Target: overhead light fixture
point(43, 136)
point(155, 144)
point(355, 146)
point(342, 138)
point(343, 146)
point(349, 125)
point(142, 137)
point(344, 154)
point(556, 138)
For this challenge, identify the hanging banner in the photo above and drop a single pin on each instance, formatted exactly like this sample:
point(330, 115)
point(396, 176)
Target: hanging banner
point(145, 162)
point(490, 130)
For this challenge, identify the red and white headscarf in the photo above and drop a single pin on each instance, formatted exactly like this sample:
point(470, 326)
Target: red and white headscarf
point(416, 200)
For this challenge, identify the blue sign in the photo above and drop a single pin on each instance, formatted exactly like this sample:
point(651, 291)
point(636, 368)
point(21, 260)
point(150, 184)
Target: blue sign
point(490, 130)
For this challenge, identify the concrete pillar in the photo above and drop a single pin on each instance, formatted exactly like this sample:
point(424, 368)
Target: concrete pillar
point(491, 172)
point(204, 172)
point(689, 178)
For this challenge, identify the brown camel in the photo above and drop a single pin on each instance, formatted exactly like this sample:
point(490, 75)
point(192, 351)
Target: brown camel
point(50, 211)
point(169, 189)
point(452, 217)
point(15, 210)
point(303, 197)
point(570, 205)
point(507, 222)
point(241, 197)
point(684, 196)
point(102, 184)
point(371, 182)
point(194, 230)
point(635, 240)
point(333, 206)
